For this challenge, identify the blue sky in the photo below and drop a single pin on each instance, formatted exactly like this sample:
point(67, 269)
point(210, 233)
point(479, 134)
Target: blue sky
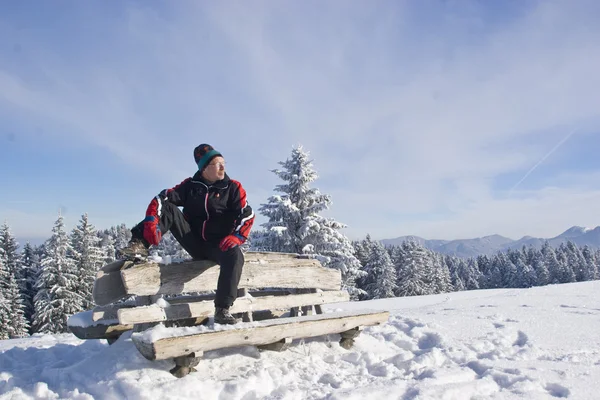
point(422, 117)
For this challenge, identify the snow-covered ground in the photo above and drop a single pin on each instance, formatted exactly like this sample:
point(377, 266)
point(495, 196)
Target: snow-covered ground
point(534, 343)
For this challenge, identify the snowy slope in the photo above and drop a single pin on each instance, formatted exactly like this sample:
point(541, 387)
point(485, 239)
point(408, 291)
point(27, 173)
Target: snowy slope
point(538, 343)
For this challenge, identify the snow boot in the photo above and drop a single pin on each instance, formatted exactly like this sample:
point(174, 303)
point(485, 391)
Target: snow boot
point(223, 316)
point(136, 249)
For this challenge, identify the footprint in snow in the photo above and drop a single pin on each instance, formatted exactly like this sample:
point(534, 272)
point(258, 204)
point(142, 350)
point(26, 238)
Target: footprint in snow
point(556, 390)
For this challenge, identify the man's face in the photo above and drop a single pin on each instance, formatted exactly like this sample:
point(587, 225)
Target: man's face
point(215, 170)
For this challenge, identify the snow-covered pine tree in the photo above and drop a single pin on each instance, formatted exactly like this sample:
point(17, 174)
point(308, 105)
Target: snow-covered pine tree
point(30, 264)
point(9, 283)
point(472, 275)
point(255, 240)
point(169, 246)
point(566, 273)
point(294, 214)
point(336, 251)
point(526, 276)
point(415, 273)
point(88, 258)
point(5, 314)
point(465, 274)
point(382, 274)
point(484, 265)
point(8, 243)
point(457, 283)
point(121, 234)
point(551, 262)
point(363, 249)
point(295, 225)
point(591, 269)
point(576, 260)
point(56, 299)
point(107, 245)
point(441, 274)
point(540, 268)
point(507, 270)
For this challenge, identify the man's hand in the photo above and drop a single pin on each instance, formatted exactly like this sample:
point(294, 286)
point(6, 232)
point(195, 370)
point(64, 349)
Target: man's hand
point(152, 232)
point(230, 241)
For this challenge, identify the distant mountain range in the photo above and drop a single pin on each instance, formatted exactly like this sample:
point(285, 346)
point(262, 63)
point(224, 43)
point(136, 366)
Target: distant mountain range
point(489, 245)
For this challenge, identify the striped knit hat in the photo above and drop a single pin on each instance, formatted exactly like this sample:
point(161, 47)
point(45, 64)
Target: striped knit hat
point(203, 154)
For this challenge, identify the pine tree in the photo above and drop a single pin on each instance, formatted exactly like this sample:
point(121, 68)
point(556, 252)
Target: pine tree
point(485, 267)
point(5, 310)
point(566, 273)
point(336, 251)
point(591, 269)
point(56, 298)
point(29, 272)
point(413, 278)
point(363, 249)
point(495, 276)
point(526, 276)
point(507, 269)
point(382, 274)
point(169, 246)
point(87, 257)
point(540, 268)
point(107, 244)
point(441, 274)
point(10, 285)
point(471, 275)
point(576, 261)
point(295, 226)
point(294, 215)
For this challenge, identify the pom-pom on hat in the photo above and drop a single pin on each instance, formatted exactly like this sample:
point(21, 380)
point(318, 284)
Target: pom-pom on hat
point(203, 154)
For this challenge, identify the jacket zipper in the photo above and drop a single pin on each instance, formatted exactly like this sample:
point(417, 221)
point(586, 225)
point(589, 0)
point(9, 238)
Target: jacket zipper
point(206, 207)
point(207, 215)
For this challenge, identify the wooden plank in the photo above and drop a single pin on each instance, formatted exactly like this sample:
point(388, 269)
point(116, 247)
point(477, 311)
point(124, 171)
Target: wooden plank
point(108, 286)
point(82, 326)
point(100, 331)
point(155, 313)
point(260, 256)
point(267, 332)
point(200, 276)
point(108, 312)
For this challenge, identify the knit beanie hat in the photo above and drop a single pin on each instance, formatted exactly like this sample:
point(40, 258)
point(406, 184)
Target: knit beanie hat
point(203, 154)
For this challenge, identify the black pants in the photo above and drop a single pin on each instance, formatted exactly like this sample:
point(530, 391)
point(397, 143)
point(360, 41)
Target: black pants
point(230, 261)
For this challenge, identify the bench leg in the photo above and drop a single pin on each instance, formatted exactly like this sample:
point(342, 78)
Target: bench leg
point(247, 316)
point(347, 340)
point(306, 310)
point(277, 346)
point(185, 364)
point(113, 339)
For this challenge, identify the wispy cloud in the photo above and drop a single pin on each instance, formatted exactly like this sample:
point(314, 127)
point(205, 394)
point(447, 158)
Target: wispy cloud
point(411, 110)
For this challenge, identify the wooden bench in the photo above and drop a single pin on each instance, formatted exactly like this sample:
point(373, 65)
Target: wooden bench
point(280, 299)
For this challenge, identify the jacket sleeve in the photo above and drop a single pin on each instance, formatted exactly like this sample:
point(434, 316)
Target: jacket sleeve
point(245, 214)
point(176, 195)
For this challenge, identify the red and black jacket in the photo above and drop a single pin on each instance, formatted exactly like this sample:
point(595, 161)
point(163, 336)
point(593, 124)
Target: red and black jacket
point(212, 210)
